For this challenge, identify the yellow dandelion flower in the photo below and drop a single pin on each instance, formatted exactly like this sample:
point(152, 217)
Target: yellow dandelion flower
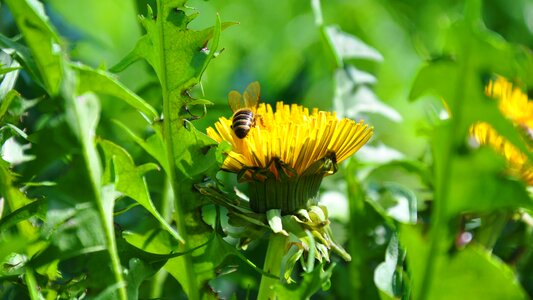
point(512, 102)
point(288, 151)
point(515, 105)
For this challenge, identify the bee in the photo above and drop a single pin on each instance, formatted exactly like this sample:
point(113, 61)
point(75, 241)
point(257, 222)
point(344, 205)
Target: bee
point(243, 118)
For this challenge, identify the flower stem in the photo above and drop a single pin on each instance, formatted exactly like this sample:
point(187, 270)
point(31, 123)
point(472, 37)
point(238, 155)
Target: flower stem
point(272, 265)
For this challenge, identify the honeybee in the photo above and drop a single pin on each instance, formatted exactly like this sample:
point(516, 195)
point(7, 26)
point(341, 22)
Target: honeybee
point(244, 111)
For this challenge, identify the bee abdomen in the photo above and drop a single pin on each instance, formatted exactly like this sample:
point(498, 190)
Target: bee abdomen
point(242, 122)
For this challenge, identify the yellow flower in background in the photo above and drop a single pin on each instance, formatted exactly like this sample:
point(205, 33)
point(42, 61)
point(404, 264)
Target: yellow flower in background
point(512, 101)
point(288, 151)
point(515, 105)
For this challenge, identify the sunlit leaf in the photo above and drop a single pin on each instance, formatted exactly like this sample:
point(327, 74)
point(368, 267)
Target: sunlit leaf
point(8, 80)
point(387, 275)
point(33, 22)
point(102, 82)
point(129, 180)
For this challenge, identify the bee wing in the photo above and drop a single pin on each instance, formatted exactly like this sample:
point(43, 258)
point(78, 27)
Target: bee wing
point(252, 94)
point(235, 100)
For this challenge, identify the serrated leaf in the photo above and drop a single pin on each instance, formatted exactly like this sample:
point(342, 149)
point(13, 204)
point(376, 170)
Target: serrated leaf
point(130, 182)
point(179, 56)
point(168, 35)
point(353, 98)
point(153, 145)
point(196, 160)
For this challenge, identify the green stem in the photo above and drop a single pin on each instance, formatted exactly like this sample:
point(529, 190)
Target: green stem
point(439, 233)
point(272, 265)
point(157, 282)
point(191, 285)
point(491, 228)
point(331, 52)
point(33, 289)
point(357, 270)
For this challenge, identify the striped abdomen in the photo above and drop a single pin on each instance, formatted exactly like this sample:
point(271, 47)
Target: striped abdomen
point(243, 120)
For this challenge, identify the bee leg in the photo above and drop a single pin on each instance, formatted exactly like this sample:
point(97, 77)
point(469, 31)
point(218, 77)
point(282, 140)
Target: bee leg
point(261, 121)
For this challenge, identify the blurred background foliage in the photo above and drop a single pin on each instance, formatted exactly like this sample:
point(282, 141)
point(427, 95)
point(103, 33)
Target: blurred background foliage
point(281, 48)
point(279, 44)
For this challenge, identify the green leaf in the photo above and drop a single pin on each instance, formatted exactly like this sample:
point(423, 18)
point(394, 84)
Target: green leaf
point(102, 82)
point(463, 91)
point(179, 56)
point(274, 221)
point(82, 113)
point(388, 274)
point(470, 273)
point(348, 46)
point(9, 70)
point(310, 283)
point(8, 80)
point(129, 180)
point(354, 98)
point(479, 185)
point(196, 156)
point(44, 43)
point(207, 259)
point(15, 198)
point(37, 207)
point(8, 246)
point(153, 145)
point(73, 233)
point(168, 36)
point(7, 100)
point(396, 201)
point(138, 271)
point(24, 57)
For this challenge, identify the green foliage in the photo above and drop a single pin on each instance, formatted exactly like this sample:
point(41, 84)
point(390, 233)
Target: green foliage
point(110, 189)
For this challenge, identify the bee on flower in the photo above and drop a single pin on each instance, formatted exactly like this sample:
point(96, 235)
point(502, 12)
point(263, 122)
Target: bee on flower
point(285, 156)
